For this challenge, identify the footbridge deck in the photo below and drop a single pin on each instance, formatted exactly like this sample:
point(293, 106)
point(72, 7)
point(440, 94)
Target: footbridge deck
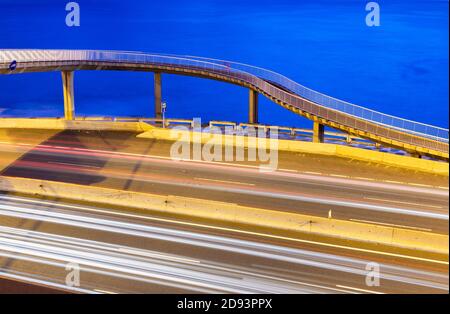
point(414, 137)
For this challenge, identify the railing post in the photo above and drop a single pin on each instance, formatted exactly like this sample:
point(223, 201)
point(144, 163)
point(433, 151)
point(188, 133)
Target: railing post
point(348, 139)
point(68, 90)
point(318, 132)
point(253, 107)
point(158, 95)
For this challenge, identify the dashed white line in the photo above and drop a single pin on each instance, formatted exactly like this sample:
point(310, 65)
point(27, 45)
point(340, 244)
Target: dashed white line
point(358, 289)
point(224, 181)
point(401, 202)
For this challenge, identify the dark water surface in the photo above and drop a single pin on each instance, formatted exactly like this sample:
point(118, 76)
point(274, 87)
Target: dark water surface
point(399, 68)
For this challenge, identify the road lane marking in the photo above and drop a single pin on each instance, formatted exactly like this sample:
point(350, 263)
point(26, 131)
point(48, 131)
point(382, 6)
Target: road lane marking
point(72, 165)
point(288, 170)
point(396, 182)
point(418, 184)
point(339, 175)
point(401, 202)
point(225, 181)
point(105, 292)
point(363, 178)
point(301, 282)
point(157, 255)
point(312, 172)
point(388, 224)
point(358, 289)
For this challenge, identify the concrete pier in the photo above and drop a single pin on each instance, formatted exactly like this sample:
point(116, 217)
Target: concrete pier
point(253, 107)
point(68, 89)
point(318, 132)
point(158, 95)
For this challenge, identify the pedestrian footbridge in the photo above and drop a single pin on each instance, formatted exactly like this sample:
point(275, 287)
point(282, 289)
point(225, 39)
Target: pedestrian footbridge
point(414, 137)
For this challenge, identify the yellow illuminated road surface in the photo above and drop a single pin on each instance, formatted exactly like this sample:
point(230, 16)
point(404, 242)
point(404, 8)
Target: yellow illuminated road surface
point(133, 253)
point(10, 153)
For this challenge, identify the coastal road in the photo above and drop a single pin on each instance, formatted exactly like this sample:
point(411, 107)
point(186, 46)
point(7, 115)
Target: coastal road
point(100, 159)
point(119, 251)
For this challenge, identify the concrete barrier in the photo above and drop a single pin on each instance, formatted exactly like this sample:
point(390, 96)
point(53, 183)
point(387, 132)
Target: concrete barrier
point(148, 131)
point(404, 162)
point(61, 124)
point(235, 214)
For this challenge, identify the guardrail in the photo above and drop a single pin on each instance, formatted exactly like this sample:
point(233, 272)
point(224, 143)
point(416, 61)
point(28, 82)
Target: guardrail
point(273, 84)
point(406, 125)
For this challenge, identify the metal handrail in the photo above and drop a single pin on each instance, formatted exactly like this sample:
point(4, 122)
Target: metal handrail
point(340, 105)
point(242, 71)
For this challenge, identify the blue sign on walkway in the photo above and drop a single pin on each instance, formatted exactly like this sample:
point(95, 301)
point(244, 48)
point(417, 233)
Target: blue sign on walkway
point(13, 65)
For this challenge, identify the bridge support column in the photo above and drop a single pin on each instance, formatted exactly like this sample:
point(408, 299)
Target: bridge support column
point(158, 95)
point(318, 132)
point(253, 107)
point(68, 89)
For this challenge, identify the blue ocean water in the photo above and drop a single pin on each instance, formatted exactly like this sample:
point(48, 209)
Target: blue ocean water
point(399, 68)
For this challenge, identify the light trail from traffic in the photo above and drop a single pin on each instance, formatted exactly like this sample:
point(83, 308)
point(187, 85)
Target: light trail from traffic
point(124, 250)
point(422, 208)
point(244, 266)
